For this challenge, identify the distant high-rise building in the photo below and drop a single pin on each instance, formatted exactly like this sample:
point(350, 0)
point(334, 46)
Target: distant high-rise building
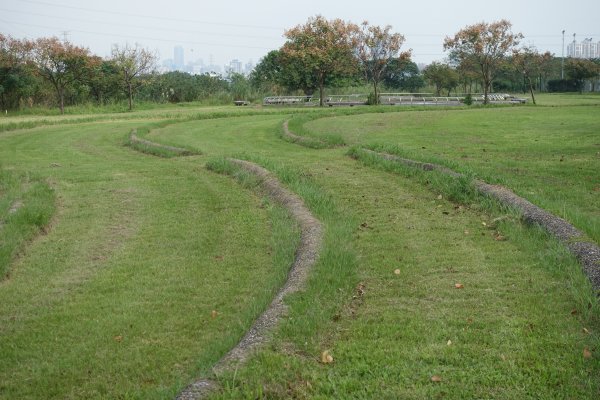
point(584, 49)
point(248, 67)
point(235, 67)
point(178, 62)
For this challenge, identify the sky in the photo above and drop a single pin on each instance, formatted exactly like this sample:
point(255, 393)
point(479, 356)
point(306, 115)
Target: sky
point(222, 30)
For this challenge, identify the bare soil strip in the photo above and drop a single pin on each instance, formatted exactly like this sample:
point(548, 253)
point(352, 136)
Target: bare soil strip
point(300, 139)
point(306, 256)
point(587, 252)
point(178, 150)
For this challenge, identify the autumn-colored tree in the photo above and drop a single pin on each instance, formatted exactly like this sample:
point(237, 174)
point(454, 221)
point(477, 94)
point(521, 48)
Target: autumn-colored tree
point(376, 47)
point(484, 45)
point(60, 63)
point(322, 48)
point(529, 62)
point(132, 63)
point(442, 76)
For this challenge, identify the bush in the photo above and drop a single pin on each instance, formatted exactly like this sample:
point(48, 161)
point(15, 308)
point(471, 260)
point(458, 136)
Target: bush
point(468, 99)
point(371, 99)
point(563, 85)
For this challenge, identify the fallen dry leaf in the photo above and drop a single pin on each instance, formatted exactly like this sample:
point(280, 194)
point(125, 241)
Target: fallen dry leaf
point(118, 338)
point(436, 378)
point(397, 271)
point(459, 286)
point(587, 353)
point(574, 311)
point(326, 358)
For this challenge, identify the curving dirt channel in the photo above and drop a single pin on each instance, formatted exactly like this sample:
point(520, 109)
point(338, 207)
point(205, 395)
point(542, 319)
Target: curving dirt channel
point(306, 256)
point(133, 138)
point(586, 252)
point(301, 140)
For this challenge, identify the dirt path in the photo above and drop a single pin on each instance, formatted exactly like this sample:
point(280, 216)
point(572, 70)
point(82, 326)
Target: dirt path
point(306, 256)
point(178, 150)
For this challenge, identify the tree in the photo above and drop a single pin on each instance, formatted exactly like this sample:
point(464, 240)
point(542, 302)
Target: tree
point(60, 63)
point(321, 48)
point(403, 74)
point(133, 63)
point(484, 45)
point(16, 77)
point(376, 48)
point(103, 80)
point(581, 70)
point(266, 74)
point(276, 71)
point(239, 87)
point(442, 76)
point(529, 62)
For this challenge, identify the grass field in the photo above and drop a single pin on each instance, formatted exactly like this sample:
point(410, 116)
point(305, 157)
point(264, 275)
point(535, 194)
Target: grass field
point(145, 270)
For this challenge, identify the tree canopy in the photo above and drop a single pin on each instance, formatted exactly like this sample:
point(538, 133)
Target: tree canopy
point(485, 46)
point(376, 48)
point(132, 63)
point(60, 63)
point(321, 48)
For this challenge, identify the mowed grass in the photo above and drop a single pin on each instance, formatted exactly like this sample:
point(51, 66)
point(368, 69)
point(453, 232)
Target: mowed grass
point(518, 328)
point(117, 300)
point(26, 206)
point(550, 156)
point(143, 249)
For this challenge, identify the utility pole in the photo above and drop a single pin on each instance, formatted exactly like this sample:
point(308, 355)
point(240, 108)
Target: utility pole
point(562, 59)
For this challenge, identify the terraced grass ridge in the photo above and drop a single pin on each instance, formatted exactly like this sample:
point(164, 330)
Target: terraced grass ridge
point(140, 272)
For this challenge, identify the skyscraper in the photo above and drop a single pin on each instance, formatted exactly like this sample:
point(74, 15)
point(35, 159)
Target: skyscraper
point(178, 58)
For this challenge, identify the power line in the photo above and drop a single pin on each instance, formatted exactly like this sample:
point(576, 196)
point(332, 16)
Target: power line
point(139, 26)
point(142, 37)
point(150, 16)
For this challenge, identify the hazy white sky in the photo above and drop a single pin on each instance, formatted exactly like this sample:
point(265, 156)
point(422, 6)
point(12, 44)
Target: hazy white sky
point(222, 30)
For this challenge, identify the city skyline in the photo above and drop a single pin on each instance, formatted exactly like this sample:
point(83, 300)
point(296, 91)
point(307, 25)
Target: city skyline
point(243, 31)
point(198, 65)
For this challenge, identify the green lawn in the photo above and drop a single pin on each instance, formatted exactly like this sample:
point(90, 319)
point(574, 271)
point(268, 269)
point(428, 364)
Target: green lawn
point(115, 299)
point(550, 156)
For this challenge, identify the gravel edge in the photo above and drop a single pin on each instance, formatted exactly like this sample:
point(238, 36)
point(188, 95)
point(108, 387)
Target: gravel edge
point(180, 151)
point(586, 252)
point(299, 139)
point(307, 254)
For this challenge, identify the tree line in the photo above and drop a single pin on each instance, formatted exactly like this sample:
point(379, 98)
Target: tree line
point(316, 55)
point(483, 57)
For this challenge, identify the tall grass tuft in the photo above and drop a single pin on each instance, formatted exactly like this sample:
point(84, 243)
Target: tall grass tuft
point(26, 206)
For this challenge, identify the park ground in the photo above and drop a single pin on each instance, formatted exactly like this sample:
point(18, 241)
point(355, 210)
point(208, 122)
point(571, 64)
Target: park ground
point(129, 275)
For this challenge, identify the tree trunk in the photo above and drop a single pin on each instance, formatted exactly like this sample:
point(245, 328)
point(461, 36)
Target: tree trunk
point(531, 90)
point(62, 101)
point(321, 90)
point(376, 92)
point(486, 87)
point(130, 90)
point(60, 94)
